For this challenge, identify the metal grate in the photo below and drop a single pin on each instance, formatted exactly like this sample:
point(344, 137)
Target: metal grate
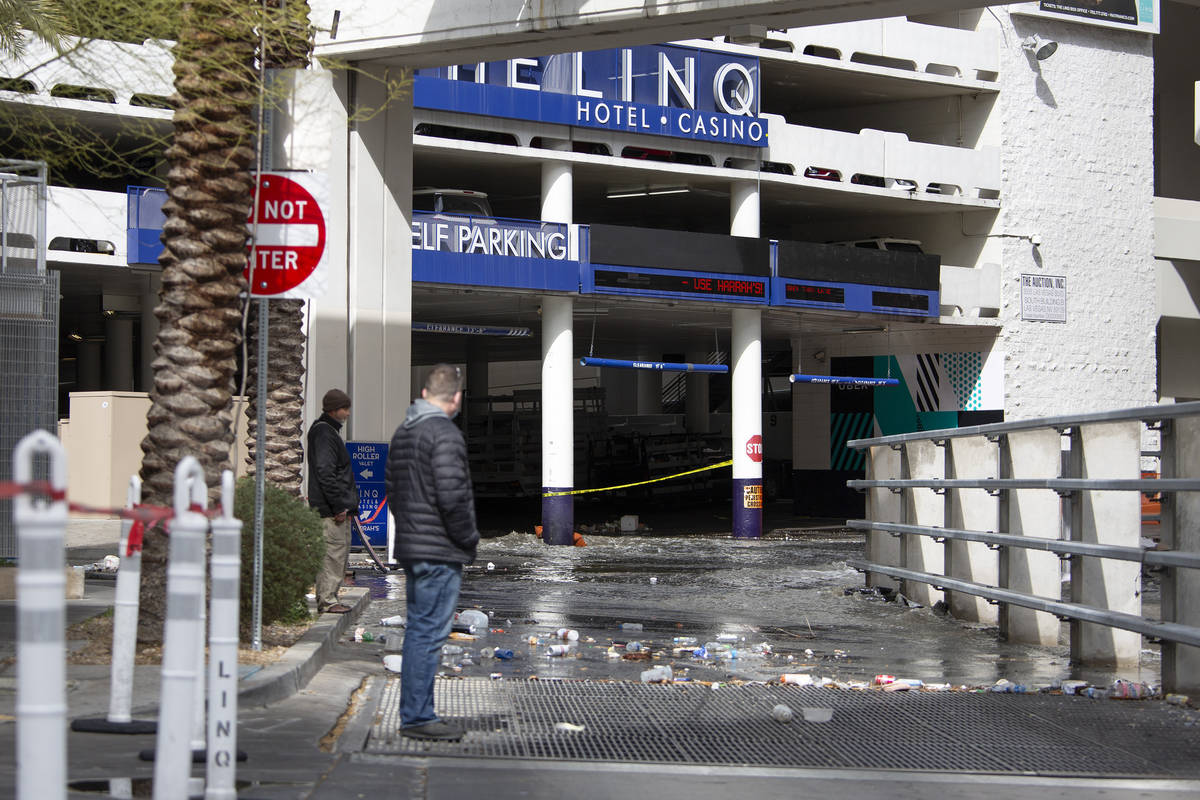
point(29, 366)
point(693, 724)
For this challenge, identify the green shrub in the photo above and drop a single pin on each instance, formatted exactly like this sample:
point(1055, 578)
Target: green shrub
point(293, 547)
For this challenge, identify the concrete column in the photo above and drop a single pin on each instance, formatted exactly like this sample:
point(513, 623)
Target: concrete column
point(322, 141)
point(883, 505)
point(922, 459)
point(380, 271)
point(558, 420)
point(148, 332)
point(1034, 513)
point(620, 391)
point(975, 510)
point(1107, 450)
point(1181, 587)
point(696, 400)
point(746, 422)
point(88, 363)
point(118, 354)
point(746, 382)
point(477, 368)
point(649, 384)
point(810, 410)
point(557, 192)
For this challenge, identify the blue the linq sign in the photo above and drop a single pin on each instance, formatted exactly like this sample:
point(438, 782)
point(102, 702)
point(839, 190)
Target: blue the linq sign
point(664, 90)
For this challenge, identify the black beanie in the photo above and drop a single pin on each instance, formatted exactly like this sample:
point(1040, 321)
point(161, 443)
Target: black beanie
point(335, 399)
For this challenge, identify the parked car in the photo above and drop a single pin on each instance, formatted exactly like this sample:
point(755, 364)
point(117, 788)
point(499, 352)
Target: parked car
point(822, 173)
point(884, 243)
point(452, 202)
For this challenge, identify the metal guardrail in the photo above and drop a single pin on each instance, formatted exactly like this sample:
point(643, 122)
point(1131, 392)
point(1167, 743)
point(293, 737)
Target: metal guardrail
point(1153, 629)
point(1147, 414)
point(918, 493)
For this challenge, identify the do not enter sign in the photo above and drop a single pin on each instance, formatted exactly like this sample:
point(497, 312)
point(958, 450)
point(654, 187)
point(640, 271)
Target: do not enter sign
point(754, 447)
point(289, 235)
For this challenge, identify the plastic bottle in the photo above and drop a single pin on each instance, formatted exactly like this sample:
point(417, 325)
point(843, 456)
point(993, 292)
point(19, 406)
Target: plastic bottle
point(727, 637)
point(451, 650)
point(503, 655)
point(796, 678)
point(782, 713)
point(558, 649)
point(487, 652)
point(392, 662)
point(631, 626)
point(396, 621)
point(659, 674)
point(633, 647)
point(685, 640)
point(567, 634)
point(368, 636)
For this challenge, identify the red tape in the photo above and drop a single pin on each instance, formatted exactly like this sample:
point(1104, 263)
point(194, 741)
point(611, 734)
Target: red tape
point(145, 517)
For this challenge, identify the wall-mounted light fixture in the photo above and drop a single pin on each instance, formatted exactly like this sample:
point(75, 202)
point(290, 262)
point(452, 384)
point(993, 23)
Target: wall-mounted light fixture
point(1041, 48)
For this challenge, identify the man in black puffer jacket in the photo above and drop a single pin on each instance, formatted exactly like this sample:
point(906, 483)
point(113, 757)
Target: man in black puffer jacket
point(429, 492)
point(333, 492)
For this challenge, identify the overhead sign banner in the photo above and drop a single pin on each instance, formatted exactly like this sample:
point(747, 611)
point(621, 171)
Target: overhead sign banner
point(662, 90)
point(288, 233)
point(1141, 15)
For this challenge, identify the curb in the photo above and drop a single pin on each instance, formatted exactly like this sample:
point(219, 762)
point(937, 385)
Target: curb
point(295, 669)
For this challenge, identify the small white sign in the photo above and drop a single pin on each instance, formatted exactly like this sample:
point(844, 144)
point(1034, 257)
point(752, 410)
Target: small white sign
point(1044, 298)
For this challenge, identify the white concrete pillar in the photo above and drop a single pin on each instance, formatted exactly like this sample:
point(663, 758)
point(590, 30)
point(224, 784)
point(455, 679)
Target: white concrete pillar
point(620, 391)
point(1181, 587)
point(477, 368)
point(380, 262)
point(320, 140)
point(883, 505)
point(810, 410)
point(118, 354)
point(1034, 513)
point(696, 398)
point(649, 383)
point(558, 419)
point(922, 460)
point(746, 381)
point(557, 192)
point(1107, 450)
point(746, 422)
point(975, 510)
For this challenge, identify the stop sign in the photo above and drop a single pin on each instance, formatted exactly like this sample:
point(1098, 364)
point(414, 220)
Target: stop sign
point(289, 236)
point(754, 447)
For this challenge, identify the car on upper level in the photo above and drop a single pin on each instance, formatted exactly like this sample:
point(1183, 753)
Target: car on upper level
point(884, 243)
point(452, 202)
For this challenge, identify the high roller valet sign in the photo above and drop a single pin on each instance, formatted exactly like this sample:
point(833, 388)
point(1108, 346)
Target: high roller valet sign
point(287, 256)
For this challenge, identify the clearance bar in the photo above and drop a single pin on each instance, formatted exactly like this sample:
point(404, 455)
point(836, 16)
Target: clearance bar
point(839, 380)
point(661, 366)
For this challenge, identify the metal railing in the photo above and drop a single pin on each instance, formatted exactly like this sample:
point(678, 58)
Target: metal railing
point(979, 518)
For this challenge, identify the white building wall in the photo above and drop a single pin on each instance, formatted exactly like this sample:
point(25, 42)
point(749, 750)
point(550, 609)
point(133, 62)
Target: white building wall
point(1077, 160)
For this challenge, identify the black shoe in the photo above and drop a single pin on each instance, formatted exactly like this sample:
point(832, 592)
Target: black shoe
point(435, 731)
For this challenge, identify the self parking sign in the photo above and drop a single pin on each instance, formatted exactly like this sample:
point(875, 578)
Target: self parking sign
point(287, 226)
point(368, 460)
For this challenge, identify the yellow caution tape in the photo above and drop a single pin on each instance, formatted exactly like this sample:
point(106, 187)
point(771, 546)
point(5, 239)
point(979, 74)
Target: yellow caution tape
point(639, 483)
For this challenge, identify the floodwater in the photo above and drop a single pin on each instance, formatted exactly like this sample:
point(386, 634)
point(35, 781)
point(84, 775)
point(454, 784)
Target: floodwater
point(790, 591)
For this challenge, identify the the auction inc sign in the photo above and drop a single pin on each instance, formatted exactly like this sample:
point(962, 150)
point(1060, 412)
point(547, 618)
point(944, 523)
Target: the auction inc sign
point(664, 90)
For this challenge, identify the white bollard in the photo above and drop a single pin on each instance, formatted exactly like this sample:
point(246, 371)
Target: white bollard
point(41, 620)
point(223, 649)
point(181, 639)
point(125, 617)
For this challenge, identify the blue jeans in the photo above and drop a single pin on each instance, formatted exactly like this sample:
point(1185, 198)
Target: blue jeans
point(431, 594)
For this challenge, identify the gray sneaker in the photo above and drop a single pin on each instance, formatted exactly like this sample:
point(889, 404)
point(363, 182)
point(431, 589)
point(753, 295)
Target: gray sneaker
point(433, 731)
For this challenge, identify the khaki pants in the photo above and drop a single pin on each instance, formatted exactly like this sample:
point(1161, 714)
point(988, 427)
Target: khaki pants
point(337, 556)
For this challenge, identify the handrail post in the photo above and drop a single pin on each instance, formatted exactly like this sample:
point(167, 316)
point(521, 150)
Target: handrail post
point(922, 459)
point(1181, 587)
point(1035, 513)
point(973, 509)
point(1106, 450)
point(882, 506)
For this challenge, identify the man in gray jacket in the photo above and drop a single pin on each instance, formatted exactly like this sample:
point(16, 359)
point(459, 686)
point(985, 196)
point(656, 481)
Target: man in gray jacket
point(429, 492)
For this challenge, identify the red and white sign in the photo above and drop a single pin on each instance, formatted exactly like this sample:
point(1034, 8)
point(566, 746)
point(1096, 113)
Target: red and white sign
point(288, 236)
point(754, 448)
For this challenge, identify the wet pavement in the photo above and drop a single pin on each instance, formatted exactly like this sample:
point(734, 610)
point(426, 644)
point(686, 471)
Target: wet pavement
point(784, 604)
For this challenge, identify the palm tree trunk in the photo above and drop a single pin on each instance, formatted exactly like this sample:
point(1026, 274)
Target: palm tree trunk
point(204, 237)
point(283, 453)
